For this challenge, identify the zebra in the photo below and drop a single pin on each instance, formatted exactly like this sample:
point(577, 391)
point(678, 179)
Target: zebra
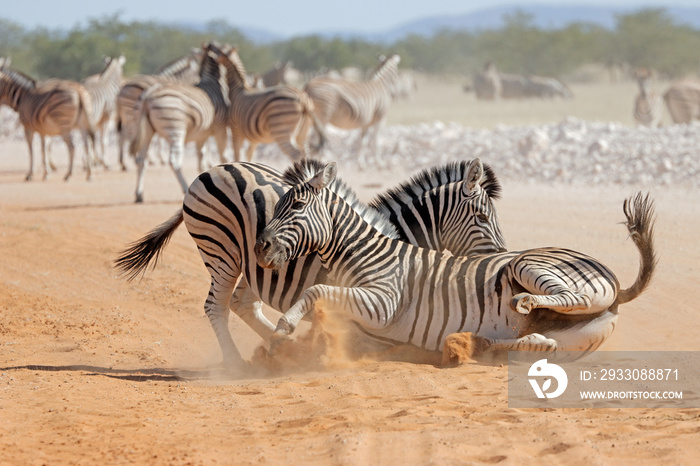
point(103, 89)
point(683, 100)
point(181, 113)
point(545, 299)
point(349, 105)
point(279, 114)
point(227, 206)
point(184, 69)
point(648, 105)
point(275, 76)
point(487, 83)
point(53, 107)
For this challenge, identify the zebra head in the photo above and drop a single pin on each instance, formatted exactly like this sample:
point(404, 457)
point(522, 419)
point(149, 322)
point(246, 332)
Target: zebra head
point(301, 223)
point(472, 226)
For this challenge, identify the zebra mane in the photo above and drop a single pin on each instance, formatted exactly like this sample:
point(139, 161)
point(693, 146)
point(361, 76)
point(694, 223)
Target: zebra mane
point(387, 66)
point(303, 171)
point(237, 67)
point(172, 68)
point(19, 78)
point(432, 178)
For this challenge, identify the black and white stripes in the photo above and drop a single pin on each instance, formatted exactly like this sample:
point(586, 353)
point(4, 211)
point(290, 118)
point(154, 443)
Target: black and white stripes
point(406, 294)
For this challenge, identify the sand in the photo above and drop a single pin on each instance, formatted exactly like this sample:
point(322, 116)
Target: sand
point(94, 369)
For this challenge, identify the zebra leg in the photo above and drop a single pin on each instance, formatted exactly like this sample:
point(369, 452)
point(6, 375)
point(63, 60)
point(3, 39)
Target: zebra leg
point(29, 136)
point(121, 136)
point(371, 309)
point(202, 162)
point(585, 336)
point(217, 311)
point(251, 150)
point(141, 162)
point(44, 157)
point(246, 305)
point(531, 342)
point(89, 137)
point(361, 156)
point(236, 143)
point(71, 154)
point(177, 152)
point(561, 299)
point(220, 140)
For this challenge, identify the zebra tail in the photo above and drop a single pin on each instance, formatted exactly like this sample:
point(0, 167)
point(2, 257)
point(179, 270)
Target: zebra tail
point(141, 121)
point(322, 138)
point(134, 260)
point(639, 210)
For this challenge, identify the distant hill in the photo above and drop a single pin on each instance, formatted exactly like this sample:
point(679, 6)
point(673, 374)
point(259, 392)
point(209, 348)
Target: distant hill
point(544, 16)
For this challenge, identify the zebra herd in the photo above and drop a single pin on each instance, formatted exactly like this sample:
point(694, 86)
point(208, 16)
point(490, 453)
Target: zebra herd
point(204, 94)
point(421, 262)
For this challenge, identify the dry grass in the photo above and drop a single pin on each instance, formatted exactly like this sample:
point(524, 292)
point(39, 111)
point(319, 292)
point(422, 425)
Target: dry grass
point(445, 100)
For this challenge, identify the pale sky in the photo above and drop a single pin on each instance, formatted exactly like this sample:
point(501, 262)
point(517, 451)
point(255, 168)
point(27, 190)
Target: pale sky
point(282, 17)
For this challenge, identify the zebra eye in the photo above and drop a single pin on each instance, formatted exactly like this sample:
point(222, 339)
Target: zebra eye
point(482, 217)
point(298, 205)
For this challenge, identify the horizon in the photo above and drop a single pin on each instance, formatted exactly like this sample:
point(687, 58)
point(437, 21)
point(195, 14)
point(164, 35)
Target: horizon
point(287, 20)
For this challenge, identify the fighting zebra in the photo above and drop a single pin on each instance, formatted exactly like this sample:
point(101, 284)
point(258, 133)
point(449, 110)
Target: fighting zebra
point(648, 105)
point(683, 100)
point(103, 89)
point(184, 70)
point(227, 207)
point(53, 107)
point(544, 299)
point(349, 105)
point(180, 113)
point(279, 114)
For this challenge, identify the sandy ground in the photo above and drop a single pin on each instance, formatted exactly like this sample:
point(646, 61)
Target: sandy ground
point(94, 369)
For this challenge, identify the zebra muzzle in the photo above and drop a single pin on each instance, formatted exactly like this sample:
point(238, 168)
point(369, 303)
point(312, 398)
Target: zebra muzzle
point(269, 253)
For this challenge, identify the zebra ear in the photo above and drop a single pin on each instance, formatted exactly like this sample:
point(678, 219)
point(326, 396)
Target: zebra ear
point(324, 177)
point(475, 173)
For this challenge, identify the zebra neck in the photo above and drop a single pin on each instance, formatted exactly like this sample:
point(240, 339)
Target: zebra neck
point(351, 234)
point(14, 92)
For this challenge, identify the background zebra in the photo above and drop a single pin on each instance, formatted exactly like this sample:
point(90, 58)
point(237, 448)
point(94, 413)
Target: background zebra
point(227, 207)
point(184, 69)
point(103, 89)
point(399, 293)
point(648, 105)
point(280, 114)
point(54, 107)
point(487, 83)
point(181, 113)
point(350, 105)
point(683, 100)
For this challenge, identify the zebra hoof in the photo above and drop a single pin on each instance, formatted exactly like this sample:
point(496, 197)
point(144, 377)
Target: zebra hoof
point(139, 199)
point(277, 340)
point(523, 303)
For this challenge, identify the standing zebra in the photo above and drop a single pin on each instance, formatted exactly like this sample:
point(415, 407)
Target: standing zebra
point(487, 83)
point(54, 107)
point(275, 76)
point(279, 114)
point(228, 206)
point(683, 100)
point(184, 69)
point(648, 106)
point(400, 293)
point(350, 105)
point(103, 89)
point(181, 113)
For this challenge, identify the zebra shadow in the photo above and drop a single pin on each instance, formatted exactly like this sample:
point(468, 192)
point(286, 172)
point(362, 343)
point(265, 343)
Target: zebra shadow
point(156, 374)
point(105, 205)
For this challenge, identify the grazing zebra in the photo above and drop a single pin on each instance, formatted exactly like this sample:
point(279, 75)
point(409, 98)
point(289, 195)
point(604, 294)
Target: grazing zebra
point(227, 207)
point(683, 100)
point(184, 70)
point(54, 107)
point(542, 299)
point(180, 113)
point(103, 89)
point(278, 114)
point(648, 105)
point(350, 105)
